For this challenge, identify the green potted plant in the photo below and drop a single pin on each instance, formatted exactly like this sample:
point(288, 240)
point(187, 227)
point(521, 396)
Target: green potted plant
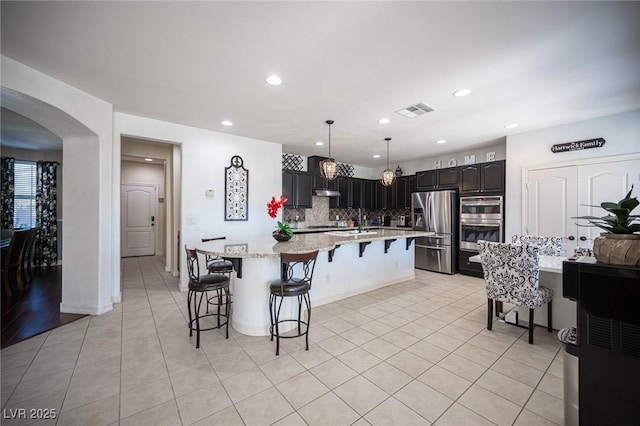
point(619, 244)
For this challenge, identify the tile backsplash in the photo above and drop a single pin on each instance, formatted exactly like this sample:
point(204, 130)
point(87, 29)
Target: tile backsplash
point(321, 214)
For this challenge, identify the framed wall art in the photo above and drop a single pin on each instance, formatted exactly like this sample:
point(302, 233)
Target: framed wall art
point(236, 191)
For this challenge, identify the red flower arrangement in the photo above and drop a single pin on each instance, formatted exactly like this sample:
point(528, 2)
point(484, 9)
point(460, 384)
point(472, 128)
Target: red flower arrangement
point(272, 209)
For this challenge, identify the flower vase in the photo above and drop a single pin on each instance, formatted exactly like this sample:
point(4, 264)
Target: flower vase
point(280, 235)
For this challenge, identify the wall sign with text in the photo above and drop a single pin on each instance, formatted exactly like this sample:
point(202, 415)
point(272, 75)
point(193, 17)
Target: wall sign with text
point(577, 146)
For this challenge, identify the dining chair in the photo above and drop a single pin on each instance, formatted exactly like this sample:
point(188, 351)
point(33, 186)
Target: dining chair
point(295, 281)
point(13, 260)
point(512, 275)
point(200, 285)
point(549, 246)
point(29, 252)
point(583, 251)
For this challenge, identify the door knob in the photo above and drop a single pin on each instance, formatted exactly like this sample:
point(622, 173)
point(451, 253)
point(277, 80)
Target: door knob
point(571, 238)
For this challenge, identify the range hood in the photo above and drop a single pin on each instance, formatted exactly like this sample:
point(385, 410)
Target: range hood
point(326, 193)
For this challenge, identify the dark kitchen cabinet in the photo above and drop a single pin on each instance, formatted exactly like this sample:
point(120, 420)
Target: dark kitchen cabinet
point(352, 193)
point(383, 196)
point(368, 194)
point(483, 177)
point(466, 267)
point(426, 179)
point(297, 188)
point(401, 192)
point(438, 179)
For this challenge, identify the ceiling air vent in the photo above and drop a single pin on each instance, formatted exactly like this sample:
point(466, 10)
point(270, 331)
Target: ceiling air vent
point(415, 110)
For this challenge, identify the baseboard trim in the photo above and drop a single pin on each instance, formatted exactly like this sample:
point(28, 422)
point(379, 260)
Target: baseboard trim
point(86, 310)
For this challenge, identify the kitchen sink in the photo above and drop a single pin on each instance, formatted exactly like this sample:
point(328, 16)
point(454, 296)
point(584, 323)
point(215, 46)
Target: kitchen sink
point(351, 233)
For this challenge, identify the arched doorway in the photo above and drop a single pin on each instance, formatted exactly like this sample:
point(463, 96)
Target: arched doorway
point(84, 289)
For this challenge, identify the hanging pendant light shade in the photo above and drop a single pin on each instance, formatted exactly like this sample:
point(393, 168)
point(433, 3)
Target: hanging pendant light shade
point(329, 167)
point(388, 176)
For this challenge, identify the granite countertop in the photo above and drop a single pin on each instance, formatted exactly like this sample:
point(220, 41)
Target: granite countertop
point(266, 246)
point(317, 229)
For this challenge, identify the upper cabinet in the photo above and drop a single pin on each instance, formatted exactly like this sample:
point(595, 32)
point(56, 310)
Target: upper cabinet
point(401, 192)
point(483, 177)
point(438, 179)
point(297, 187)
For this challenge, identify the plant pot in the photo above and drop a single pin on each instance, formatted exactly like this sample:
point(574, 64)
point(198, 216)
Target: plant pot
point(617, 249)
point(280, 235)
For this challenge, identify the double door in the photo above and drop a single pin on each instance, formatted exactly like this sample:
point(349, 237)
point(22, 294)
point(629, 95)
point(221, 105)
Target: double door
point(555, 196)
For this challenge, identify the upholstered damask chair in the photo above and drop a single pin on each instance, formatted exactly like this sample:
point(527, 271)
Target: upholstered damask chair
point(511, 274)
point(583, 251)
point(549, 246)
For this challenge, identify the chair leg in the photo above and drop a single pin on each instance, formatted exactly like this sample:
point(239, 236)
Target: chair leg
point(197, 310)
point(531, 325)
point(498, 308)
point(489, 314)
point(549, 325)
point(307, 300)
point(299, 312)
point(278, 328)
point(189, 297)
point(272, 314)
point(227, 310)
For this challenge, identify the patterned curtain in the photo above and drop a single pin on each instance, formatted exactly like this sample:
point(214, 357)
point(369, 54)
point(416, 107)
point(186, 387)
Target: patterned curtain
point(46, 249)
point(6, 196)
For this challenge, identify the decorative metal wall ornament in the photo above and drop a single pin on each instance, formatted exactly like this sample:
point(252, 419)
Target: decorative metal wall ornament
point(346, 170)
point(387, 177)
point(329, 167)
point(291, 162)
point(236, 191)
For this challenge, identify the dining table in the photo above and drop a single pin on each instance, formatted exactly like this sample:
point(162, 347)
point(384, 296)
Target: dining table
point(563, 312)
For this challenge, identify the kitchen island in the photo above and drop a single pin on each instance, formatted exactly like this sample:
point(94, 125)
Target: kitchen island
point(349, 263)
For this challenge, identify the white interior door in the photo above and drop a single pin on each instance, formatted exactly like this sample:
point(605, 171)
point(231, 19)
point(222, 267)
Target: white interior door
point(603, 182)
point(138, 214)
point(551, 204)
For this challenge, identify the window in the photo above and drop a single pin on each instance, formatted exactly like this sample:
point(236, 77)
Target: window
point(24, 209)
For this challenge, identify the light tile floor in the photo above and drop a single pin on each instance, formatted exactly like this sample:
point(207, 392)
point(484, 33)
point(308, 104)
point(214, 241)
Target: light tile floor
point(413, 353)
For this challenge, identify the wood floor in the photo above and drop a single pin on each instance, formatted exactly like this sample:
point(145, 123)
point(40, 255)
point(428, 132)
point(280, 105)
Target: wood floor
point(35, 309)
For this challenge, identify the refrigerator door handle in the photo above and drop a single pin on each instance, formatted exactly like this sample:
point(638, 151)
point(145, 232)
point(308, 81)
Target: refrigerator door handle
point(433, 247)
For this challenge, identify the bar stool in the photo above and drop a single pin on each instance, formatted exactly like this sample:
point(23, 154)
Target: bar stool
point(291, 286)
point(217, 265)
point(201, 285)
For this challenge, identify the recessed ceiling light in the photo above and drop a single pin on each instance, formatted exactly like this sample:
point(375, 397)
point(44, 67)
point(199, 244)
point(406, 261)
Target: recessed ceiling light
point(383, 121)
point(511, 126)
point(461, 92)
point(441, 141)
point(319, 143)
point(376, 156)
point(274, 80)
point(226, 123)
point(148, 159)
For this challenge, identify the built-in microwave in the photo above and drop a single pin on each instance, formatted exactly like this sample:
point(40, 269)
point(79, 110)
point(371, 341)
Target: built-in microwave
point(481, 218)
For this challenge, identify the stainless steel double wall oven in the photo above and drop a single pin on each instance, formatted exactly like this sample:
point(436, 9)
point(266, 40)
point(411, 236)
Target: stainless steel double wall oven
point(481, 218)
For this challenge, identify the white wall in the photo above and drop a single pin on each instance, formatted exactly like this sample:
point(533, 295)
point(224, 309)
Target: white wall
point(205, 154)
point(428, 163)
point(533, 149)
point(84, 123)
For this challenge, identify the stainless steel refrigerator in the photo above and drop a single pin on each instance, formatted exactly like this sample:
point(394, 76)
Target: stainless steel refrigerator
point(437, 212)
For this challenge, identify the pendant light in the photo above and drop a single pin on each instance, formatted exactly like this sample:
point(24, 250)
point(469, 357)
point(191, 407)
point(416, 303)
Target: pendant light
point(329, 167)
point(387, 177)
